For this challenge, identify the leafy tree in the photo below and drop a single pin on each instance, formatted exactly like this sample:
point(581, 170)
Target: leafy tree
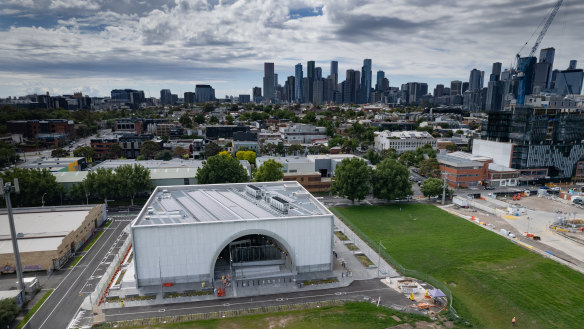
point(229, 119)
point(103, 183)
point(199, 118)
point(34, 184)
point(250, 156)
point(115, 151)
point(452, 147)
point(225, 153)
point(221, 169)
point(7, 154)
point(309, 117)
point(212, 149)
point(133, 179)
point(181, 152)
point(59, 153)
point(351, 180)
point(372, 156)
point(84, 151)
point(8, 312)
point(208, 107)
point(388, 153)
point(213, 119)
point(430, 168)
point(79, 191)
point(268, 148)
point(295, 149)
point(408, 158)
point(390, 180)
point(431, 187)
point(149, 149)
point(185, 121)
point(165, 155)
point(318, 149)
point(280, 149)
point(350, 145)
point(269, 171)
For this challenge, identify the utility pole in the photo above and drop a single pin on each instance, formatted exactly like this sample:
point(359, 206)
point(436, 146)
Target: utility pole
point(7, 189)
point(443, 188)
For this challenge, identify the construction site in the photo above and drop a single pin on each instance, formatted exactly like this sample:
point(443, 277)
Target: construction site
point(543, 220)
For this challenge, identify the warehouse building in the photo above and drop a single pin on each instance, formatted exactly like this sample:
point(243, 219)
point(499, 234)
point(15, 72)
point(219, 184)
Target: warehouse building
point(47, 237)
point(200, 233)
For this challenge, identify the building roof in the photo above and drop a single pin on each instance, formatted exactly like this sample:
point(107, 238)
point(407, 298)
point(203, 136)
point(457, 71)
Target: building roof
point(52, 164)
point(470, 156)
point(42, 230)
point(168, 173)
point(151, 164)
point(70, 176)
point(500, 168)
point(404, 134)
point(454, 161)
point(193, 204)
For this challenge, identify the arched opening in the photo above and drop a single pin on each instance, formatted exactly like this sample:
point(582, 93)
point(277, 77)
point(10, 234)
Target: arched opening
point(253, 256)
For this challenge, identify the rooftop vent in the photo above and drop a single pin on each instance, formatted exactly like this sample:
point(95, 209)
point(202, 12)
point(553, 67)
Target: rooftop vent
point(254, 191)
point(282, 205)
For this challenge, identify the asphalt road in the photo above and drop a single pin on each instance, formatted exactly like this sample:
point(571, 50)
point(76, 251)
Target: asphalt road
point(62, 305)
point(358, 290)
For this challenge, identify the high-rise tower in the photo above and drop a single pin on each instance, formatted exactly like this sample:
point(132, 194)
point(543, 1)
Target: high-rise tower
point(298, 76)
point(269, 81)
point(366, 81)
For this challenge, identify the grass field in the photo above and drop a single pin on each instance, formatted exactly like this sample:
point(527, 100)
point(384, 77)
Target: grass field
point(349, 316)
point(492, 279)
point(92, 242)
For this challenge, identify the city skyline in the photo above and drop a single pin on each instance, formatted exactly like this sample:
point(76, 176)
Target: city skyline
point(94, 47)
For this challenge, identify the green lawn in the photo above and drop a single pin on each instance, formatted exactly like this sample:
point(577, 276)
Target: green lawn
point(349, 316)
point(491, 278)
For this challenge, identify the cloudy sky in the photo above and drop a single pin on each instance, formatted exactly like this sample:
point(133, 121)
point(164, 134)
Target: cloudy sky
point(93, 46)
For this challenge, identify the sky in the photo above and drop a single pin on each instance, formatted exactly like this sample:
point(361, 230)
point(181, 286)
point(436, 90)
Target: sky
point(94, 46)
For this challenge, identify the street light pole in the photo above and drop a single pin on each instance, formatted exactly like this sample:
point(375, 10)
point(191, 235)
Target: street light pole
point(7, 189)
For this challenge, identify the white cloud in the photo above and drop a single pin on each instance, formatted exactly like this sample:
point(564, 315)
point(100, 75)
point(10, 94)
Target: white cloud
point(204, 40)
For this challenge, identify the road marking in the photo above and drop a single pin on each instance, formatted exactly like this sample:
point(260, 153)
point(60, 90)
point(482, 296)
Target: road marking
point(244, 303)
point(71, 287)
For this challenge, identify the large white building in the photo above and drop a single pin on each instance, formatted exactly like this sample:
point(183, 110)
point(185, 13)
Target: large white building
point(200, 233)
point(300, 133)
point(402, 141)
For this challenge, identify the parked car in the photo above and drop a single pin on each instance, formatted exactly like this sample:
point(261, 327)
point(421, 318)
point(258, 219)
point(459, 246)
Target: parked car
point(489, 187)
point(579, 201)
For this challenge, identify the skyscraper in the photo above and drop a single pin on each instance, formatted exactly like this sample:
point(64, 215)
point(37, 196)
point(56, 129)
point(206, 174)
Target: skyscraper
point(526, 67)
point(311, 75)
point(204, 93)
point(298, 76)
point(318, 73)
point(257, 94)
point(334, 74)
point(476, 80)
point(495, 89)
point(379, 84)
point(269, 81)
point(455, 87)
point(366, 77)
point(570, 81)
point(290, 89)
point(165, 97)
point(542, 76)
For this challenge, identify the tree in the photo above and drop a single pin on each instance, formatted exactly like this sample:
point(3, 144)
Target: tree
point(229, 119)
point(431, 187)
point(133, 179)
point(103, 183)
point(115, 151)
point(268, 148)
point(269, 171)
point(79, 191)
point(59, 153)
point(212, 149)
point(452, 147)
point(7, 154)
point(8, 311)
point(181, 152)
point(199, 118)
point(390, 180)
point(351, 180)
point(430, 168)
point(185, 121)
point(250, 156)
point(309, 117)
point(221, 169)
point(84, 151)
point(295, 149)
point(36, 186)
point(372, 156)
point(149, 149)
point(165, 155)
point(408, 158)
point(225, 153)
point(213, 119)
point(208, 107)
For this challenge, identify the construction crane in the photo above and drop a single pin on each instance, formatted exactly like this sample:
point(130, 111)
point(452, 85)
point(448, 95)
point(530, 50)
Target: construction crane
point(523, 64)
